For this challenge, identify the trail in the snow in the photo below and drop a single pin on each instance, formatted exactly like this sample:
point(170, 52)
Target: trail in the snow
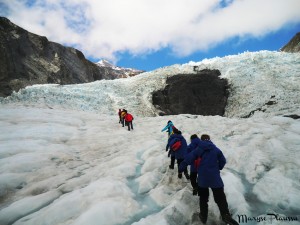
point(147, 204)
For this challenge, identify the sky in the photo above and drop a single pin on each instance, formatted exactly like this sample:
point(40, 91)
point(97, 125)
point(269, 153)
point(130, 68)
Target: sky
point(149, 34)
point(65, 159)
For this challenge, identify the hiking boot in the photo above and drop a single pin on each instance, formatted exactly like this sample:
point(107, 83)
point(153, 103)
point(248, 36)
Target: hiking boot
point(171, 167)
point(187, 176)
point(195, 191)
point(180, 175)
point(203, 218)
point(228, 219)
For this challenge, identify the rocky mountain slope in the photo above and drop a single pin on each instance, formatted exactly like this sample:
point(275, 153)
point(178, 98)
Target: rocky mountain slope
point(293, 45)
point(27, 59)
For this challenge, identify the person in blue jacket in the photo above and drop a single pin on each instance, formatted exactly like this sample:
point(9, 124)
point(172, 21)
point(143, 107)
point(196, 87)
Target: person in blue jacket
point(171, 153)
point(209, 176)
point(169, 129)
point(181, 152)
point(195, 142)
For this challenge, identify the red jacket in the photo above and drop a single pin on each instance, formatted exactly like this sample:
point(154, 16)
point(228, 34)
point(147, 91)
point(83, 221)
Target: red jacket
point(128, 117)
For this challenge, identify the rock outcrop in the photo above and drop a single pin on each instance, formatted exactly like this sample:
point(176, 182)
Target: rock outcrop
point(27, 59)
point(293, 45)
point(204, 93)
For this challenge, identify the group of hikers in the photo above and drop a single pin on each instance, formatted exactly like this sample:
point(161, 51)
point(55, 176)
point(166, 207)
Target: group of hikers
point(205, 160)
point(125, 118)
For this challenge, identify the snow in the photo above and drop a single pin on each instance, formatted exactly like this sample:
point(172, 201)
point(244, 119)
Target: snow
point(104, 63)
point(123, 71)
point(65, 159)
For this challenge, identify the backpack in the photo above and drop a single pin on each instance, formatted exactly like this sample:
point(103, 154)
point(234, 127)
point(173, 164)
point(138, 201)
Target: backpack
point(176, 145)
point(197, 162)
point(173, 127)
point(123, 114)
point(128, 117)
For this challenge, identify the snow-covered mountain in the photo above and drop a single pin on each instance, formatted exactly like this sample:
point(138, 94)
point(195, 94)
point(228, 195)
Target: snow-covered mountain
point(105, 63)
point(116, 71)
point(65, 159)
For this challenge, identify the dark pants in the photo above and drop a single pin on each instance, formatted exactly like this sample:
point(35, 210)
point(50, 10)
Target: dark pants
point(185, 171)
point(120, 119)
point(193, 176)
point(123, 121)
point(172, 161)
point(219, 197)
point(129, 124)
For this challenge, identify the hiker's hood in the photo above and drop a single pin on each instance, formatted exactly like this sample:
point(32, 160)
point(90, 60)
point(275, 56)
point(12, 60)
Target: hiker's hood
point(208, 145)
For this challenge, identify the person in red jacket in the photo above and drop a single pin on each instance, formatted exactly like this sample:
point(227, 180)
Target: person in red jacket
point(128, 120)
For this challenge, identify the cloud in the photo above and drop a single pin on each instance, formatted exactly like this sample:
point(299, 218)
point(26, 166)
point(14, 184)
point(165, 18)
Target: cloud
point(102, 29)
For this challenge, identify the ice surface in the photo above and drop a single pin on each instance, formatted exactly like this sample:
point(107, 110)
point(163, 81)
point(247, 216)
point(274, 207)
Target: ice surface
point(65, 159)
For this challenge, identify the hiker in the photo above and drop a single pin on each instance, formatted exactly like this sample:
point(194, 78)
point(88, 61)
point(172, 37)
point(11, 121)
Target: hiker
point(169, 128)
point(123, 113)
point(195, 142)
point(212, 162)
point(128, 121)
point(171, 153)
point(178, 144)
point(120, 118)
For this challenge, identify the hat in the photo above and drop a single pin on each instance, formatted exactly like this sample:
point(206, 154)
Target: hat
point(176, 131)
point(205, 137)
point(194, 136)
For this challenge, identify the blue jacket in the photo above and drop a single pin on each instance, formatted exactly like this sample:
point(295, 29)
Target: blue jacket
point(195, 143)
point(169, 128)
point(172, 153)
point(212, 162)
point(182, 151)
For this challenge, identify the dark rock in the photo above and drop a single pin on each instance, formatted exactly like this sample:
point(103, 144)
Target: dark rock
point(252, 112)
point(271, 103)
point(203, 93)
point(263, 108)
point(293, 116)
point(27, 59)
point(293, 45)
